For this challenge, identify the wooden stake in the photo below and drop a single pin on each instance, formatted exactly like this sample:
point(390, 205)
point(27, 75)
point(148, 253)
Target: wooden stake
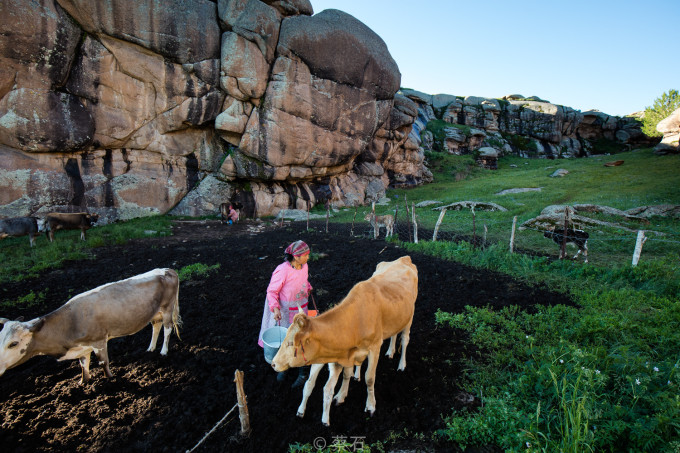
point(512, 235)
point(436, 227)
point(563, 248)
point(486, 230)
point(474, 227)
point(307, 215)
point(415, 224)
point(328, 212)
point(408, 219)
point(242, 404)
point(641, 239)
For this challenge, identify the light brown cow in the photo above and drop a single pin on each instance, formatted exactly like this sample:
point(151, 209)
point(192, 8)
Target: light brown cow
point(69, 221)
point(352, 331)
point(86, 322)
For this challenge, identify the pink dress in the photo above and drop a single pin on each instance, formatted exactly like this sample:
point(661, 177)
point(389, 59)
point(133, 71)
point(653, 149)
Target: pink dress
point(287, 289)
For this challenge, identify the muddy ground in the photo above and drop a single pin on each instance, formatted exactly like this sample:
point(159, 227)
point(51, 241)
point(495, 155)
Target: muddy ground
point(170, 403)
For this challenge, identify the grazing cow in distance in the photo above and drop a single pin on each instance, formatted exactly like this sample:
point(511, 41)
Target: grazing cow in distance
point(378, 221)
point(579, 238)
point(21, 226)
point(69, 221)
point(352, 331)
point(85, 323)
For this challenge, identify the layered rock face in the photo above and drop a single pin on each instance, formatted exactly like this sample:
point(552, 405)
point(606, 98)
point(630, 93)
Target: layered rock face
point(134, 108)
point(528, 127)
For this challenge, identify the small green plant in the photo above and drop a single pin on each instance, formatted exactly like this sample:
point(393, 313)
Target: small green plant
point(195, 270)
point(29, 300)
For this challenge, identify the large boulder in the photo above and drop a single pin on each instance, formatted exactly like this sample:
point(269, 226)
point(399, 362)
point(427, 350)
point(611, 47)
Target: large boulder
point(670, 128)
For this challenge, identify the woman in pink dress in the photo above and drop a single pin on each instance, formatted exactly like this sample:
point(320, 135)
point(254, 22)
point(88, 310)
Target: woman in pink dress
point(286, 294)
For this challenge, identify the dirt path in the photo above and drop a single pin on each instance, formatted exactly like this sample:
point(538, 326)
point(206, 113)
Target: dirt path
point(169, 403)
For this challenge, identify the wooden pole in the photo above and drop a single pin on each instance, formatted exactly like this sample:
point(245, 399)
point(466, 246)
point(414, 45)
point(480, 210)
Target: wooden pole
point(474, 226)
point(408, 219)
point(328, 212)
point(242, 404)
point(563, 248)
point(641, 239)
point(512, 235)
point(307, 215)
point(486, 230)
point(351, 232)
point(415, 224)
point(439, 221)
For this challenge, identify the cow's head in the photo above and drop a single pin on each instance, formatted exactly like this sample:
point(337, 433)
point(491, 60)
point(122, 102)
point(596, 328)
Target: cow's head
point(298, 348)
point(41, 225)
point(92, 218)
point(15, 338)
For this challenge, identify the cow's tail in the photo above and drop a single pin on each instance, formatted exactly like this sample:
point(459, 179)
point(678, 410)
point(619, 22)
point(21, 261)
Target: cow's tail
point(176, 318)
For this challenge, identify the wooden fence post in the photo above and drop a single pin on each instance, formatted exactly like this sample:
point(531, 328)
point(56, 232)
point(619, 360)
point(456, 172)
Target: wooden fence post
point(408, 219)
point(328, 212)
point(486, 230)
point(641, 239)
point(474, 227)
point(436, 227)
point(351, 232)
point(512, 235)
point(307, 215)
point(242, 404)
point(415, 224)
point(563, 247)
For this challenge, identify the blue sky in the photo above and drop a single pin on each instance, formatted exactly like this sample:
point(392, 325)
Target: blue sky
point(613, 56)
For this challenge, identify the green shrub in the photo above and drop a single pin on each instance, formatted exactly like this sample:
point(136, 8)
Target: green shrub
point(196, 270)
point(663, 106)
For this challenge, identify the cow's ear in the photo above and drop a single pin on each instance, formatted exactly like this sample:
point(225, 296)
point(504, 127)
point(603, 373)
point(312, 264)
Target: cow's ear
point(301, 320)
point(37, 325)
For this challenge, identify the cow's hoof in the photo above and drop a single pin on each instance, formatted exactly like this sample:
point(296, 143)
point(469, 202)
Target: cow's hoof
point(300, 414)
point(327, 425)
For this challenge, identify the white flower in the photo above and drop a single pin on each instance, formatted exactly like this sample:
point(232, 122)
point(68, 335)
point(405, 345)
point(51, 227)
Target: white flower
point(656, 369)
point(637, 381)
point(597, 371)
point(528, 445)
point(561, 361)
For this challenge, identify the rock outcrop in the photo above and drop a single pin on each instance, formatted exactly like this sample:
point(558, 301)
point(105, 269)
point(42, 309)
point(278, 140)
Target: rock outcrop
point(131, 109)
point(528, 127)
point(670, 128)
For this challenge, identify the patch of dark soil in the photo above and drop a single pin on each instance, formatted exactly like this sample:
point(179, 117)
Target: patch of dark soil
point(169, 403)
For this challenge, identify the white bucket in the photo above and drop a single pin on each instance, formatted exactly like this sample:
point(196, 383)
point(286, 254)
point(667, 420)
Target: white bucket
point(272, 339)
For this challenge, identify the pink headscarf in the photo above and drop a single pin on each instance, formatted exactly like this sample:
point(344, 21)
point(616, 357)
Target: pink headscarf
point(297, 248)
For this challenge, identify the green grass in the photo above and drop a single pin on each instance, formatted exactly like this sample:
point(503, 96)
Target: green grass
point(195, 270)
point(20, 261)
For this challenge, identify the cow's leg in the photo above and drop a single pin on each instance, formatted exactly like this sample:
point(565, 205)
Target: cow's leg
point(167, 330)
point(405, 336)
point(585, 251)
point(31, 239)
point(344, 388)
point(82, 235)
point(85, 366)
point(357, 373)
point(333, 373)
point(376, 232)
point(390, 350)
point(373, 356)
point(154, 335)
point(309, 386)
point(102, 355)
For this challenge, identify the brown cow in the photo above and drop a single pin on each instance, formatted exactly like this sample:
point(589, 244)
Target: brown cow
point(69, 221)
point(86, 322)
point(375, 309)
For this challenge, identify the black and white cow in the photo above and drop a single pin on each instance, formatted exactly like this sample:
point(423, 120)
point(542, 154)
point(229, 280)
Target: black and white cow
point(21, 226)
point(579, 238)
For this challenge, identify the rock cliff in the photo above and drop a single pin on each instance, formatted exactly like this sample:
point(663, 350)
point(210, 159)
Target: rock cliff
point(134, 108)
point(529, 127)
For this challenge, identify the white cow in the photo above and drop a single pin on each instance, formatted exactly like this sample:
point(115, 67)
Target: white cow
point(85, 323)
